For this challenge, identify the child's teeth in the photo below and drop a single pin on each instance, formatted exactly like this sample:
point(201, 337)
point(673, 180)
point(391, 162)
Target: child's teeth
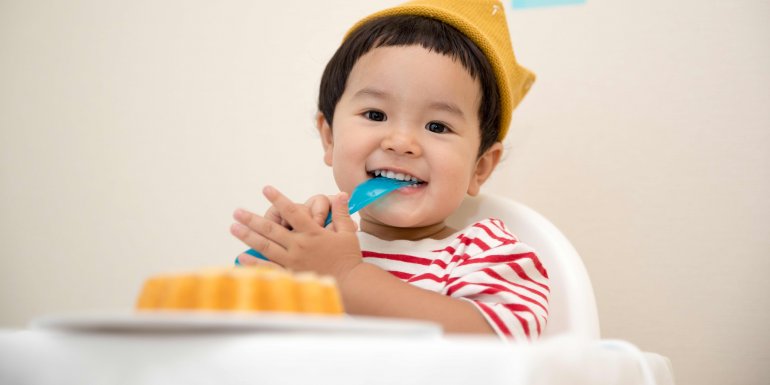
point(395, 175)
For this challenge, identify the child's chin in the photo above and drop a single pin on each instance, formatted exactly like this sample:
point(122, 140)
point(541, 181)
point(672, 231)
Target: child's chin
point(399, 219)
point(385, 217)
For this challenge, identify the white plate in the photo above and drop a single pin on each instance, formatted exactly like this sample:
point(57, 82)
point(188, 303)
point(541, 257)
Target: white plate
point(197, 322)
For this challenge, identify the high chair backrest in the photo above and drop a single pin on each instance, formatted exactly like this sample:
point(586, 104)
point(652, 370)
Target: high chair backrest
point(572, 305)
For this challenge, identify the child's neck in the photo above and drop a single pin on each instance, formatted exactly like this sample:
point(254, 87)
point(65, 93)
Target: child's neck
point(389, 233)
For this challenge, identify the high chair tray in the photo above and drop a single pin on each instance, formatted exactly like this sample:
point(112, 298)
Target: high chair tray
point(215, 322)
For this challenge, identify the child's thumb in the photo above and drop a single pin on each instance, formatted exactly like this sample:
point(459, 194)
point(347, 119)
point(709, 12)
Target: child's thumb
point(341, 214)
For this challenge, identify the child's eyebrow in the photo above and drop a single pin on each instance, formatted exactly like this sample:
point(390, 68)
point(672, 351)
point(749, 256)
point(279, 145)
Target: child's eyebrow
point(448, 107)
point(371, 92)
point(435, 105)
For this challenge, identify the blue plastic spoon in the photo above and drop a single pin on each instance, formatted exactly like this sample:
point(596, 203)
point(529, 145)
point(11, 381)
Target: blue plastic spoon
point(363, 195)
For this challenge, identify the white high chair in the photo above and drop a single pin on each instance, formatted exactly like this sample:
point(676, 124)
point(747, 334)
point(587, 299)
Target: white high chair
point(572, 305)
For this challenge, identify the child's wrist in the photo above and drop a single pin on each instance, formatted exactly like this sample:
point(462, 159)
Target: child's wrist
point(344, 274)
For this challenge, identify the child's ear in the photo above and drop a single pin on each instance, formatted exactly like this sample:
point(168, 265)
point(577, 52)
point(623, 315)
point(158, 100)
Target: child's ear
point(484, 167)
point(327, 141)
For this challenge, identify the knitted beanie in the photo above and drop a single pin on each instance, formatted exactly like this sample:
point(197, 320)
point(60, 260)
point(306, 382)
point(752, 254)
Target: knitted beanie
point(483, 21)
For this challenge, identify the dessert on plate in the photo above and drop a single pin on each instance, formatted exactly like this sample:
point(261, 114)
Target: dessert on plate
point(241, 288)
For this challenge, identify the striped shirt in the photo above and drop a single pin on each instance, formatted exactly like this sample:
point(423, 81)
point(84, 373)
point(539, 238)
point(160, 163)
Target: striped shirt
point(484, 264)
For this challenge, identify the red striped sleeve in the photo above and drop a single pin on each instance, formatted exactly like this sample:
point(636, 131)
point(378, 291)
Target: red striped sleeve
point(508, 258)
point(495, 318)
point(514, 308)
point(429, 276)
point(494, 275)
point(500, 226)
point(397, 257)
point(524, 325)
point(499, 258)
point(438, 261)
point(523, 275)
point(401, 275)
point(493, 289)
point(506, 241)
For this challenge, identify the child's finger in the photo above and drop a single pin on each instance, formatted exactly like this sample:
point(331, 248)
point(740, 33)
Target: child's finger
point(319, 208)
point(341, 214)
point(268, 248)
point(250, 260)
point(265, 228)
point(272, 215)
point(297, 217)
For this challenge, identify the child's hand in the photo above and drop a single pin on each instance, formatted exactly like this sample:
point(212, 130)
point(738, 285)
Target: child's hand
point(309, 246)
point(317, 206)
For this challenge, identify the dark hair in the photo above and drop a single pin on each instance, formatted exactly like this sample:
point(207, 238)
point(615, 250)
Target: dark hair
point(407, 30)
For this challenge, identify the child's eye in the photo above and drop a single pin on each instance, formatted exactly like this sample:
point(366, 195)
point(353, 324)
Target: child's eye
point(377, 116)
point(436, 127)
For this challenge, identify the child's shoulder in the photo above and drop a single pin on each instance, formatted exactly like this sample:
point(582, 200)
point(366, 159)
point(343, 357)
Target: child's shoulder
point(486, 234)
point(490, 228)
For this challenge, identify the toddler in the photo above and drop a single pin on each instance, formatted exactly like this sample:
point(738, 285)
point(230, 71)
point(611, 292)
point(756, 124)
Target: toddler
point(423, 91)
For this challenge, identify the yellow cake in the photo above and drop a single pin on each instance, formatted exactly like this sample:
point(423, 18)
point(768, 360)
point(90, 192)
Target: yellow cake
point(242, 288)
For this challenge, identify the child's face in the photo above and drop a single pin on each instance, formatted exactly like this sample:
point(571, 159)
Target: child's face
point(412, 112)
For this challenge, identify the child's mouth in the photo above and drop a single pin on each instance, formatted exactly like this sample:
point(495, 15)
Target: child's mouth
point(396, 176)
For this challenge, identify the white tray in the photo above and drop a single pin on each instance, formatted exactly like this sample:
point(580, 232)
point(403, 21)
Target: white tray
point(212, 322)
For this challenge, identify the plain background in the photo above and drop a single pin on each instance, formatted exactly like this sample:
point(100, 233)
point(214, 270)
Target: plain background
point(130, 130)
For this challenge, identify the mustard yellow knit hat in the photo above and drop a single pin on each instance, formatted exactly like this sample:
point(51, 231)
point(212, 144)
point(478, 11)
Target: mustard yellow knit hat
point(483, 21)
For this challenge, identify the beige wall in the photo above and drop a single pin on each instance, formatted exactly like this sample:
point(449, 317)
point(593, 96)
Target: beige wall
point(130, 130)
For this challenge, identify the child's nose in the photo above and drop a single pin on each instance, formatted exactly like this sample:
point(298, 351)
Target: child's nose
point(402, 142)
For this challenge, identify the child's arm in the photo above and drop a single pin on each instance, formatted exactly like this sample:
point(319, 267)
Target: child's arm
point(369, 290)
point(365, 289)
